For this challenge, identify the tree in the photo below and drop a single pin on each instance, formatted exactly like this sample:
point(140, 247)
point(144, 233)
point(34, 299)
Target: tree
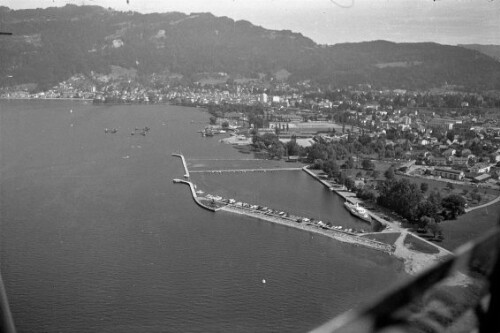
point(225, 125)
point(424, 221)
point(331, 168)
point(454, 204)
point(359, 174)
point(450, 186)
point(434, 228)
point(367, 164)
point(401, 196)
point(276, 150)
point(349, 183)
point(349, 164)
point(213, 120)
point(427, 208)
point(292, 147)
point(366, 194)
point(424, 187)
point(317, 151)
point(389, 173)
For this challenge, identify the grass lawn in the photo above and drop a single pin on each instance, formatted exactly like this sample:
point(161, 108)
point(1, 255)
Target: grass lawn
point(386, 237)
point(487, 194)
point(416, 244)
point(469, 226)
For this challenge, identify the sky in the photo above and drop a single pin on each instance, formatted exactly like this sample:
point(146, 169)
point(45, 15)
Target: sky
point(335, 21)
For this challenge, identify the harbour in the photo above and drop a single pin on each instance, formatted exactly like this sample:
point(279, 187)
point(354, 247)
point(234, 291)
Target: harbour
point(94, 241)
point(302, 223)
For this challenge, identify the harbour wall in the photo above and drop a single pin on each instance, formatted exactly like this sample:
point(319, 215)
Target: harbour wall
point(351, 199)
point(186, 174)
point(195, 196)
point(342, 236)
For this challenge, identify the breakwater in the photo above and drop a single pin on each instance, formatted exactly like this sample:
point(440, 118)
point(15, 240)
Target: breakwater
point(343, 236)
point(186, 171)
point(199, 201)
point(246, 170)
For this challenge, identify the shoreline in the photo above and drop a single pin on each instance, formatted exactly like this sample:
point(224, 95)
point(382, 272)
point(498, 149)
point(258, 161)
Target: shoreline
point(352, 199)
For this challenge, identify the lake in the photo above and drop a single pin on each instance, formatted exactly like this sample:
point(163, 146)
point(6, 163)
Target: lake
point(96, 237)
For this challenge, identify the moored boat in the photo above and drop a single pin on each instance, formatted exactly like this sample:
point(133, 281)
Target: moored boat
point(358, 211)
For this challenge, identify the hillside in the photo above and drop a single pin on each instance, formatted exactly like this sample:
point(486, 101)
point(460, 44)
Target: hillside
point(490, 50)
point(50, 45)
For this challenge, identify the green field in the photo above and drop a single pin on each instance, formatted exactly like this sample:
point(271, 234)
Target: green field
point(469, 226)
point(487, 194)
point(385, 237)
point(416, 244)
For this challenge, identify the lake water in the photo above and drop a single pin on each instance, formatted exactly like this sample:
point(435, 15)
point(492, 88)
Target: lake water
point(96, 237)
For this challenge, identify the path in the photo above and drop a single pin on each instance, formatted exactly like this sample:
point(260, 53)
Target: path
point(416, 261)
point(494, 201)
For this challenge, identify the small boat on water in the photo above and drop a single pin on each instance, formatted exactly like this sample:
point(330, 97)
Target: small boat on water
point(358, 211)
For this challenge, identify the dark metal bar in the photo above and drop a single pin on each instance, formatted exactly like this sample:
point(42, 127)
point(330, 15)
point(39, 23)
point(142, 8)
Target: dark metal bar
point(490, 322)
point(6, 321)
point(481, 256)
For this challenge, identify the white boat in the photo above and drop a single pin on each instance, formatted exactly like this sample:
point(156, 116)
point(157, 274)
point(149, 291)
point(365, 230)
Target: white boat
point(357, 211)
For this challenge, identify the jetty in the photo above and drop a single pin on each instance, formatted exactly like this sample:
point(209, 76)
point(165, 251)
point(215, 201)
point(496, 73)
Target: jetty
point(340, 235)
point(312, 174)
point(199, 201)
point(349, 197)
point(246, 170)
point(186, 174)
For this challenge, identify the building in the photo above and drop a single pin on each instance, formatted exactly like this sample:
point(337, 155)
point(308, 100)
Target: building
point(263, 98)
point(437, 160)
point(482, 178)
point(441, 123)
point(449, 174)
point(480, 168)
point(455, 160)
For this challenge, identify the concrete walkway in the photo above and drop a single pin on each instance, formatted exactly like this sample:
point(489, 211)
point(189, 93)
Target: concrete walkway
point(246, 170)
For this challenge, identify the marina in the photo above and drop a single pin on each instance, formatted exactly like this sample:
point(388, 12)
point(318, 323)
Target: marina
point(218, 203)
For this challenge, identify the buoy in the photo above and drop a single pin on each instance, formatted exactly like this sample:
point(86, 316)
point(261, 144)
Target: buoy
point(264, 281)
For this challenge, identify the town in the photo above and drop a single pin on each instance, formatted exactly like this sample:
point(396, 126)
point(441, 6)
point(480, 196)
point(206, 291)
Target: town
point(444, 139)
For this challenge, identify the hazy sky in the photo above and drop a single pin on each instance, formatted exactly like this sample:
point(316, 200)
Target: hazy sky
point(330, 22)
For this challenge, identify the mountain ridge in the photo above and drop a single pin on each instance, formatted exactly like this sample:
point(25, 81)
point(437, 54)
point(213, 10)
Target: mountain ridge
point(50, 45)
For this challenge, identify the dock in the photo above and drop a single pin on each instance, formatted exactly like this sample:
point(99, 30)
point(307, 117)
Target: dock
point(195, 196)
point(343, 236)
point(186, 174)
point(246, 170)
point(350, 198)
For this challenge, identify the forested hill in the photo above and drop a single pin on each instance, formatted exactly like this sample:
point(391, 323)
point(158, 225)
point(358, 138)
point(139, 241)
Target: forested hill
point(490, 50)
point(50, 45)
